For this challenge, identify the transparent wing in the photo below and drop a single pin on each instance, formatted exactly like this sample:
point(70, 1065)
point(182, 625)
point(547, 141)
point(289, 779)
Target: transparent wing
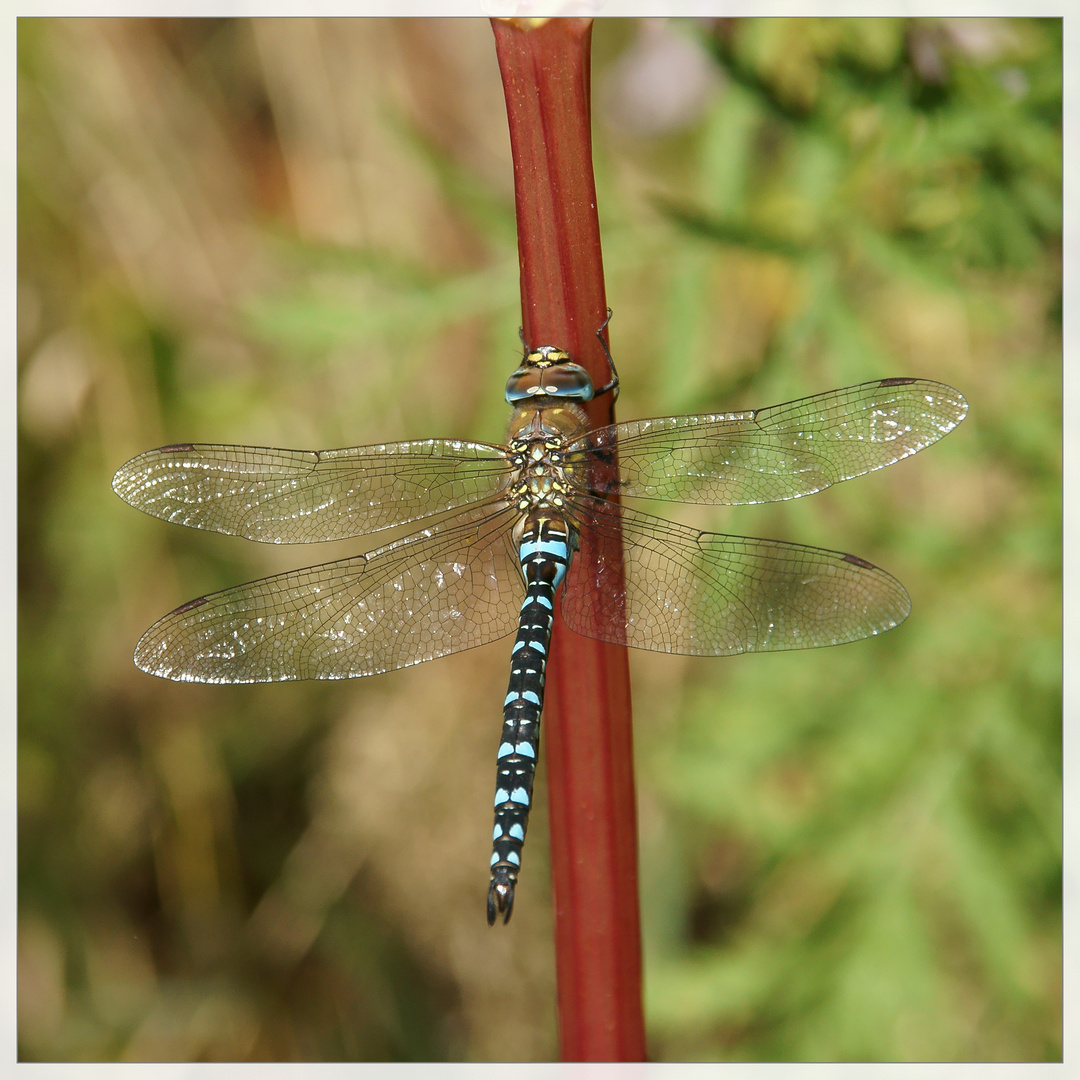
point(707, 594)
point(781, 452)
point(302, 496)
point(448, 588)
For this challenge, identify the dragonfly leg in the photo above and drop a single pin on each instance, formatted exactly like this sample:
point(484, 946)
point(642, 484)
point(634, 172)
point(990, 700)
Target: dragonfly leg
point(613, 382)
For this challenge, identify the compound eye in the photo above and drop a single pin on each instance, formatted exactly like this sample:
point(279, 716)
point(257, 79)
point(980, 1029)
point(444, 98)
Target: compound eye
point(569, 381)
point(559, 380)
point(523, 384)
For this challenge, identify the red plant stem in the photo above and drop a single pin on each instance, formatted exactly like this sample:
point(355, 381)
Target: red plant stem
point(588, 745)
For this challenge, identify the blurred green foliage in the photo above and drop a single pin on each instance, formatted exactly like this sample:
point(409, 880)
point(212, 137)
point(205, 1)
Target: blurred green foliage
point(302, 233)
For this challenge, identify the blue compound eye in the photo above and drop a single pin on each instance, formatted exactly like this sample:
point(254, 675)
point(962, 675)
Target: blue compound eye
point(549, 372)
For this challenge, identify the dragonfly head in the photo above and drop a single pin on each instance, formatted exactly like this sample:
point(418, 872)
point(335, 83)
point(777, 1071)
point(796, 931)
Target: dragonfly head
point(549, 372)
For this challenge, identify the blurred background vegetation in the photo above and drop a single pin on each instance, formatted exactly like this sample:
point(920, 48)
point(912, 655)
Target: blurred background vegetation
point(301, 233)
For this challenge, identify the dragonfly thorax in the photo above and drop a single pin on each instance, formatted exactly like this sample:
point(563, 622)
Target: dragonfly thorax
point(539, 480)
point(546, 418)
point(539, 433)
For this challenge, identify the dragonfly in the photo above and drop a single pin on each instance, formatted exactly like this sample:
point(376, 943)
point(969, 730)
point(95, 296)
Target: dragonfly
point(505, 534)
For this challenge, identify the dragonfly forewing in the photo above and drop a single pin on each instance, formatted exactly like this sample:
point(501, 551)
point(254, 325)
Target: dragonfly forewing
point(306, 496)
point(781, 452)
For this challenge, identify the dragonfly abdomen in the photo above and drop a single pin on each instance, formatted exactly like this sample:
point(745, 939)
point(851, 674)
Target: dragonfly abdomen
point(544, 553)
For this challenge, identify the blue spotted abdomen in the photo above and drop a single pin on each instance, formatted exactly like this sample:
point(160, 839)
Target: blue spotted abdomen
point(544, 554)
